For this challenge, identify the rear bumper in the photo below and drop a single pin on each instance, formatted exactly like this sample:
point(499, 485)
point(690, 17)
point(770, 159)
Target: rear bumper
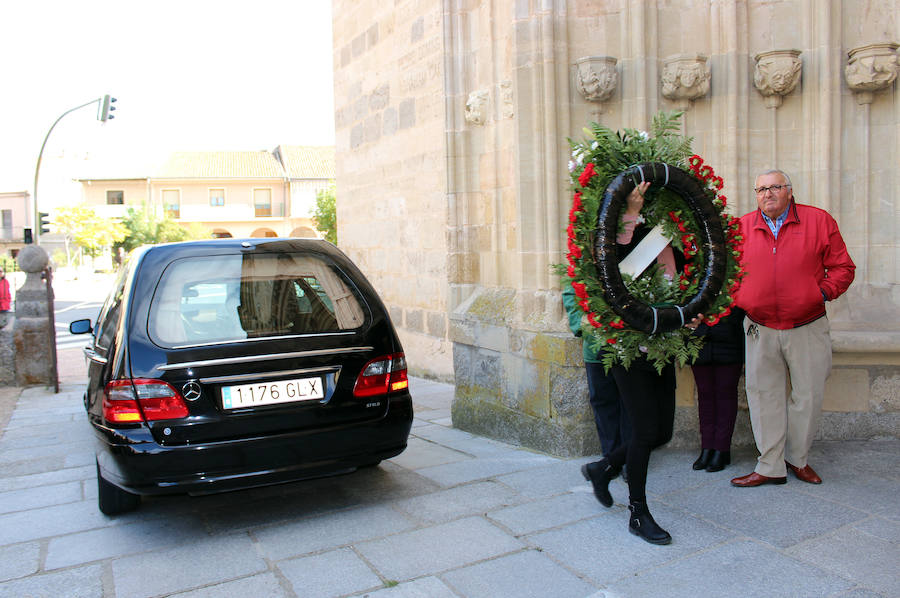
point(139, 465)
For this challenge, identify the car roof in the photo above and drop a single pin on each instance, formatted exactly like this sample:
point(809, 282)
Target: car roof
point(267, 244)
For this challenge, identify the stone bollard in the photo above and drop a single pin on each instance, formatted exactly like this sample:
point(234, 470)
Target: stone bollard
point(35, 357)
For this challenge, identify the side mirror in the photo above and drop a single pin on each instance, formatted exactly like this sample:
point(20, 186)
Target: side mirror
point(80, 327)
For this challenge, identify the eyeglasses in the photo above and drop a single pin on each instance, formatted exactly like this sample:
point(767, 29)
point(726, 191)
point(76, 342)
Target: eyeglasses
point(773, 188)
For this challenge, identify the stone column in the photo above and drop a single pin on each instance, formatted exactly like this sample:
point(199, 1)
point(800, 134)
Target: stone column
point(35, 353)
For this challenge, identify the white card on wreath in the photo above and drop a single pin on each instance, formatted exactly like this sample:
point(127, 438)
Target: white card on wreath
point(646, 251)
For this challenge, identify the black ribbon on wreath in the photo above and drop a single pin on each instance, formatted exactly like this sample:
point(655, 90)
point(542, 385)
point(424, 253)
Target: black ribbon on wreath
point(653, 319)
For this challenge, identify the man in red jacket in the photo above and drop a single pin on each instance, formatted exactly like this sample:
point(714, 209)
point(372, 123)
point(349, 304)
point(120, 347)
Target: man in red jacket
point(795, 261)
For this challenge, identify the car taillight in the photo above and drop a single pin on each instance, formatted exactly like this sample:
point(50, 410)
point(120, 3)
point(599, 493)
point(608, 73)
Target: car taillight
point(158, 400)
point(382, 375)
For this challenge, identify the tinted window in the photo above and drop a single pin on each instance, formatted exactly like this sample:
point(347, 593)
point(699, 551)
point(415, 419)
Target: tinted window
point(235, 297)
point(108, 320)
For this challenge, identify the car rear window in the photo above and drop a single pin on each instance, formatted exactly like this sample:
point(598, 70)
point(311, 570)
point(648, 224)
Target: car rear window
point(227, 298)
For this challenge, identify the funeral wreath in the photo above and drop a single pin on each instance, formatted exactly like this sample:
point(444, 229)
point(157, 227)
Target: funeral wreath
point(629, 314)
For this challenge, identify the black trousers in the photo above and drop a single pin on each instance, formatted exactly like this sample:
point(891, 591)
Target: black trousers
point(649, 399)
point(613, 426)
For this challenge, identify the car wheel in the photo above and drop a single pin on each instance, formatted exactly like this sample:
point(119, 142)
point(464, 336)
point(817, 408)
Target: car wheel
point(112, 500)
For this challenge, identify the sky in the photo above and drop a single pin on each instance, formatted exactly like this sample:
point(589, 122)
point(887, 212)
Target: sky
point(188, 75)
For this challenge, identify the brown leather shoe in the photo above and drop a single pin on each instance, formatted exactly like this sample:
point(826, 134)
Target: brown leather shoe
point(754, 479)
point(805, 474)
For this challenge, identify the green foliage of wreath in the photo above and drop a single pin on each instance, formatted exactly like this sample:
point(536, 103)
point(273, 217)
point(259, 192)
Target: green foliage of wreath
point(596, 161)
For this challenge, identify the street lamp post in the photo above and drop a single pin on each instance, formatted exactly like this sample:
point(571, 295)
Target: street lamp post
point(106, 108)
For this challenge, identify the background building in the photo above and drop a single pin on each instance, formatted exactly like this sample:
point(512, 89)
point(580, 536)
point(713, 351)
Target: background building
point(451, 152)
point(233, 194)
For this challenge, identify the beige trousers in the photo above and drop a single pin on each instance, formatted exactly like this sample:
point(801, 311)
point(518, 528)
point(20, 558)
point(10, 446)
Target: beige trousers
point(785, 376)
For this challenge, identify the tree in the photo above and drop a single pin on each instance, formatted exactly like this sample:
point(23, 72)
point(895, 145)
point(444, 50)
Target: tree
point(325, 214)
point(80, 225)
point(101, 233)
point(144, 228)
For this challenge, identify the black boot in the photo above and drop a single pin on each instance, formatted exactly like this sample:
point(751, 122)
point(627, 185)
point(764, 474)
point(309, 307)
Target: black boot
point(703, 460)
point(641, 524)
point(600, 474)
point(719, 460)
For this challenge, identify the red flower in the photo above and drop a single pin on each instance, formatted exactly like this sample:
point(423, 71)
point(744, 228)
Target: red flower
point(618, 324)
point(586, 174)
point(682, 227)
point(570, 271)
point(688, 268)
point(585, 305)
point(580, 289)
point(712, 321)
point(706, 172)
point(611, 341)
point(576, 202)
point(695, 162)
point(717, 182)
point(682, 285)
point(591, 318)
point(574, 250)
point(726, 311)
point(687, 239)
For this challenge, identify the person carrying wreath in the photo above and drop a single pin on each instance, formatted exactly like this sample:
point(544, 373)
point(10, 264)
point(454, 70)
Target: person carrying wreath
point(796, 260)
point(649, 398)
point(610, 417)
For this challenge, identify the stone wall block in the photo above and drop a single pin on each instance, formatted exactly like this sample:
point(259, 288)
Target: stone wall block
point(358, 45)
point(407, 113)
point(437, 324)
point(390, 121)
point(7, 353)
point(568, 394)
point(380, 97)
point(885, 395)
point(415, 320)
point(32, 348)
point(372, 131)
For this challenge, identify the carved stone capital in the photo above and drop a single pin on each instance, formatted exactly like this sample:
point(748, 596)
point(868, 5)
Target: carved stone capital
point(476, 107)
point(777, 74)
point(685, 78)
point(871, 68)
point(596, 77)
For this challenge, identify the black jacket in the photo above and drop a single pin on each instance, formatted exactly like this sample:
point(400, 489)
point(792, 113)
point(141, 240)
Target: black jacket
point(724, 342)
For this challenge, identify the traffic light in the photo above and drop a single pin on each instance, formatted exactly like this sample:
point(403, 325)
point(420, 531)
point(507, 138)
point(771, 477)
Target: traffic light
point(106, 108)
point(44, 224)
point(26, 236)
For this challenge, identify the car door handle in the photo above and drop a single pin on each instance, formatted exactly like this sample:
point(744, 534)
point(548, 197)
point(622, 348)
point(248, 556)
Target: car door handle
point(92, 355)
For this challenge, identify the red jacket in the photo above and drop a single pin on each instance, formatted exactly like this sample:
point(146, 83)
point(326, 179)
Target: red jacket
point(786, 278)
point(5, 298)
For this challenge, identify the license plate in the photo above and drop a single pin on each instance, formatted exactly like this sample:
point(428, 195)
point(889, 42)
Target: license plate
point(272, 393)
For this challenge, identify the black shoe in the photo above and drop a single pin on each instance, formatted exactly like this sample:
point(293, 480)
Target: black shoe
point(719, 460)
point(642, 525)
point(600, 474)
point(703, 460)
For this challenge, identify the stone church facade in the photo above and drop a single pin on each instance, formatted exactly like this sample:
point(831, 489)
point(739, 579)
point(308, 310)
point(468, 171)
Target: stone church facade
point(451, 167)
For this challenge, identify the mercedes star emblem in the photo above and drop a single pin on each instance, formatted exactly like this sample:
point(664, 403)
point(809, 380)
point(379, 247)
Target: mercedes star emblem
point(191, 391)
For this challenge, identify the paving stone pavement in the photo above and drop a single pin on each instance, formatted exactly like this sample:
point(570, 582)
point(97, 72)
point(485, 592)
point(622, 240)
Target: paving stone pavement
point(454, 516)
